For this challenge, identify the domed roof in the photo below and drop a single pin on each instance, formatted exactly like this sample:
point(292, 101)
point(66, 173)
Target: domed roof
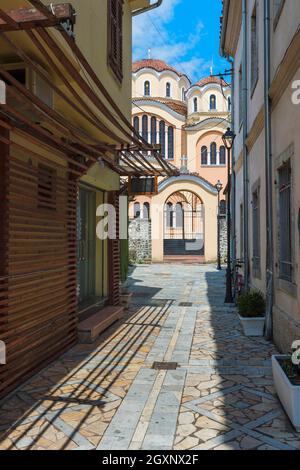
point(155, 64)
point(208, 80)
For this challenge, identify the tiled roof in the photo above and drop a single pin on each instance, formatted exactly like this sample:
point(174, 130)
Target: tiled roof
point(211, 79)
point(175, 105)
point(155, 64)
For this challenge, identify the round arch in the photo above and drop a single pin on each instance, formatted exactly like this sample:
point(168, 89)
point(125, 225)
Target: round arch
point(206, 193)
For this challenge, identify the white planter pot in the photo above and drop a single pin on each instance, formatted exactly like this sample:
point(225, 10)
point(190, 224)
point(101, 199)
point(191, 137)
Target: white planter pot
point(288, 394)
point(253, 326)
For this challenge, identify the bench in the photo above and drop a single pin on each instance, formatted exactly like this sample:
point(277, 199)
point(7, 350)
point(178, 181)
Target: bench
point(90, 329)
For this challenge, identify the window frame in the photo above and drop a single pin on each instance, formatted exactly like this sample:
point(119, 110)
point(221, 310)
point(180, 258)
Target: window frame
point(168, 90)
point(147, 88)
point(277, 15)
point(254, 49)
point(214, 98)
point(115, 26)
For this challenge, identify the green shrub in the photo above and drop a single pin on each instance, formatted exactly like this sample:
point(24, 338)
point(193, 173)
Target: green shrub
point(251, 304)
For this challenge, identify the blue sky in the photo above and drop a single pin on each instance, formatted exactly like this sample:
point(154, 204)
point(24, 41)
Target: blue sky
point(184, 33)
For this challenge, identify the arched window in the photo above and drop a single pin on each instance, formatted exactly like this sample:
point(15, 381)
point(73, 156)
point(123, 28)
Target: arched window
point(169, 214)
point(222, 155)
point(183, 94)
point(136, 124)
point(147, 88)
point(195, 105)
point(162, 137)
point(223, 207)
point(212, 102)
point(170, 143)
point(179, 215)
point(145, 127)
point(168, 90)
point(153, 130)
point(137, 210)
point(146, 210)
point(213, 153)
point(204, 155)
point(229, 103)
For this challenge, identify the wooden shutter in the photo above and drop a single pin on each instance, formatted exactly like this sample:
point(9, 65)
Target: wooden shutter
point(114, 255)
point(115, 37)
point(38, 304)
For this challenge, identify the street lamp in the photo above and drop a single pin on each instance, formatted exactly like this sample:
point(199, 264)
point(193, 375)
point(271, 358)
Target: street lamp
point(219, 188)
point(228, 139)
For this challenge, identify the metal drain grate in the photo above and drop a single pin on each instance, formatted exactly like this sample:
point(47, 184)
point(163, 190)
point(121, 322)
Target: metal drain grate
point(165, 365)
point(186, 304)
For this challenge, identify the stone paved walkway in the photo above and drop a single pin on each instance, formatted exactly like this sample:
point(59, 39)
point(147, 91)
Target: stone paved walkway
point(108, 396)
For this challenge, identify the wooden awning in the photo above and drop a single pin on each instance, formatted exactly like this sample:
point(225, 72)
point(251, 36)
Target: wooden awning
point(117, 144)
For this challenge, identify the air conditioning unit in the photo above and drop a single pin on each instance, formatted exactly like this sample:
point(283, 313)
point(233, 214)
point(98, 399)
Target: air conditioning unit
point(33, 82)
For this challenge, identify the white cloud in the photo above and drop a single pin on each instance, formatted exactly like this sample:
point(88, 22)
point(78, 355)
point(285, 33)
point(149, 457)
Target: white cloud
point(150, 32)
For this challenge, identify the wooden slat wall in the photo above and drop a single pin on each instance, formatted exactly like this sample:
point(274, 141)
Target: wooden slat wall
point(38, 303)
point(114, 255)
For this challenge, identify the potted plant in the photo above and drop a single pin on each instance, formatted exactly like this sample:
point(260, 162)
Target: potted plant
point(252, 307)
point(286, 376)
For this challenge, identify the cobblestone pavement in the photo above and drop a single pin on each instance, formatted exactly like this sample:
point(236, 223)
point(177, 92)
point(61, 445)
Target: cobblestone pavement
point(107, 396)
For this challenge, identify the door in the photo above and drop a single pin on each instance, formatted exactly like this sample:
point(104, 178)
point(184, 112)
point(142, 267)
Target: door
point(86, 244)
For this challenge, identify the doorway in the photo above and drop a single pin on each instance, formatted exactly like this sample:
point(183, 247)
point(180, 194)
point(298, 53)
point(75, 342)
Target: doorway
point(86, 245)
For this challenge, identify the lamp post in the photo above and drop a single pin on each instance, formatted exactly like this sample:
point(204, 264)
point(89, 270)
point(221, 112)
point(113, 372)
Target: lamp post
point(219, 188)
point(228, 139)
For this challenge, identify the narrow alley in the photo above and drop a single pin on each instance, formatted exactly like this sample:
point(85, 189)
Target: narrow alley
point(216, 394)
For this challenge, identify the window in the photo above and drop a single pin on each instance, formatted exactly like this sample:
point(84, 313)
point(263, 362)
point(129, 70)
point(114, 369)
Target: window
point(229, 104)
point(162, 137)
point(183, 94)
point(213, 102)
point(170, 143)
point(147, 88)
point(146, 211)
point(195, 105)
point(169, 213)
point(254, 49)
point(213, 153)
point(277, 8)
point(145, 128)
point(285, 223)
point(136, 124)
point(256, 231)
point(115, 37)
point(153, 130)
point(137, 210)
point(46, 188)
point(223, 207)
point(168, 90)
point(204, 155)
point(222, 155)
point(179, 215)
point(241, 96)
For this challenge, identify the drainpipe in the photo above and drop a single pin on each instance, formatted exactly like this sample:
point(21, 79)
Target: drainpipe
point(245, 150)
point(268, 173)
point(149, 8)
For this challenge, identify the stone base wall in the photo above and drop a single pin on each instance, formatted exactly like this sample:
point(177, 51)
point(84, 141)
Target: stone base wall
point(223, 238)
point(285, 330)
point(140, 242)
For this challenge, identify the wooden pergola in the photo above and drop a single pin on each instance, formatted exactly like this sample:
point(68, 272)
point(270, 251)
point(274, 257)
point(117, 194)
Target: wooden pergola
point(120, 147)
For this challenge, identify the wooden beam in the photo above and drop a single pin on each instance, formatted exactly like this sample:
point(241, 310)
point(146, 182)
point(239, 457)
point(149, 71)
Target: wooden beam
point(30, 18)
